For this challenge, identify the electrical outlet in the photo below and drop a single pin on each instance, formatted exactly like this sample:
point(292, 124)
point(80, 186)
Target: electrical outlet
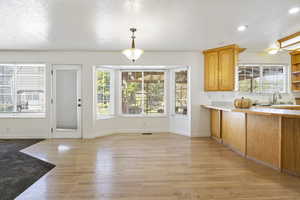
point(7, 130)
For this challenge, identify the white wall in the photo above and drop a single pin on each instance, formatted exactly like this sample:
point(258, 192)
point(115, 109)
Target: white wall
point(91, 128)
point(197, 125)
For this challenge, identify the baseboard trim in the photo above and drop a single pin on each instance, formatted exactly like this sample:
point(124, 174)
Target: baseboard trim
point(180, 133)
point(95, 134)
point(23, 137)
point(140, 131)
point(263, 163)
point(235, 150)
point(290, 172)
point(218, 140)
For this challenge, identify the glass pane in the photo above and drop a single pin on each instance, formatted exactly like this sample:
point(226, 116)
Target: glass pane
point(154, 92)
point(29, 83)
point(132, 93)
point(22, 88)
point(66, 99)
point(181, 87)
point(249, 78)
point(103, 92)
point(273, 79)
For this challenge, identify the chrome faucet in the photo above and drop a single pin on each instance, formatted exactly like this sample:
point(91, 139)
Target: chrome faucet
point(275, 96)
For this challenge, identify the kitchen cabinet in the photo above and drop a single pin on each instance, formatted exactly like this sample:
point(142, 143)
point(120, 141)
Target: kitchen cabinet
point(234, 131)
point(295, 71)
point(263, 139)
point(211, 69)
point(266, 135)
point(215, 124)
point(291, 145)
point(220, 65)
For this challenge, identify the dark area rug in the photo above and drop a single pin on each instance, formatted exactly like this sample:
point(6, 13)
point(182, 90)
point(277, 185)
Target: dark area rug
point(18, 170)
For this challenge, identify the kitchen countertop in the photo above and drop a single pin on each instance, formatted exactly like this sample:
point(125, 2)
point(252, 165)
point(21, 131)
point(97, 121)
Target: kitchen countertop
point(256, 110)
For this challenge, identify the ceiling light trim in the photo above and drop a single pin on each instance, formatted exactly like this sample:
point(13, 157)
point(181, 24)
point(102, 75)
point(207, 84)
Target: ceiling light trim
point(291, 42)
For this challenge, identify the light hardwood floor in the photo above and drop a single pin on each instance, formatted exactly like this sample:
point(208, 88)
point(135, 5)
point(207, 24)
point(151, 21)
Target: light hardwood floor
point(158, 167)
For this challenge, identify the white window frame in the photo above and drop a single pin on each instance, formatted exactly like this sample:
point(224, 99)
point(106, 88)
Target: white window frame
point(165, 114)
point(261, 67)
point(112, 92)
point(29, 115)
point(173, 92)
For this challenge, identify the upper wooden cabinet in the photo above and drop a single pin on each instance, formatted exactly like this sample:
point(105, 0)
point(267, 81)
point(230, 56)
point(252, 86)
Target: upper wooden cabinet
point(220, 66)
point(212, 66)
point(295, 71)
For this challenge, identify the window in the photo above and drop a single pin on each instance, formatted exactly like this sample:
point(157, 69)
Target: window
point(22, 88)
point(181, 92)
point(104, 92)
point(143, 92)
point(262, 78)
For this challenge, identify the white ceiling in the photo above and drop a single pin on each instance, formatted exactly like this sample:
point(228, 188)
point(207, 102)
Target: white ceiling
point(162, 24)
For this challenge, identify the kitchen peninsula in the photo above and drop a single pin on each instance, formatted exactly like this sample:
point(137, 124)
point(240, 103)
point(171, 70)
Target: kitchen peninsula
point(269, 136)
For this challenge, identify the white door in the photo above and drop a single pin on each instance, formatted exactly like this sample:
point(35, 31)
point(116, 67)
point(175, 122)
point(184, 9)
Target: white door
point(66, 101)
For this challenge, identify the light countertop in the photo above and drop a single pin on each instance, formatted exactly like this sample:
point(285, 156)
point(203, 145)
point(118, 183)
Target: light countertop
point(256, 110)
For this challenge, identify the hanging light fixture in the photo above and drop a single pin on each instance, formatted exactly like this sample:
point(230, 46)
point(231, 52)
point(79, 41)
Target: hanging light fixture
point(133, 53)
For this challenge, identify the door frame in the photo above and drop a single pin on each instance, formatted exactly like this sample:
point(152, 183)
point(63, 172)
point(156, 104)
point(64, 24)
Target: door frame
point(65, 133)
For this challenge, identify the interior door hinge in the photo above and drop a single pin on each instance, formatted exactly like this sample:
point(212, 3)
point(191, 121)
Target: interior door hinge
point(51, 130)
point(52, 72)
point(51, 101)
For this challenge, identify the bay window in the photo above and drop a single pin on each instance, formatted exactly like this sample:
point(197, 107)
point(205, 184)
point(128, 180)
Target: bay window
point(22, 88)
point(143, 92)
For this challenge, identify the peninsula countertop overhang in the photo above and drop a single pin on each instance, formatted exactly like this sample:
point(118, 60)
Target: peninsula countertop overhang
point(257, 110)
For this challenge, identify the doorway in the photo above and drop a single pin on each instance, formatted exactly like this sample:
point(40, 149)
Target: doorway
point(66, 101)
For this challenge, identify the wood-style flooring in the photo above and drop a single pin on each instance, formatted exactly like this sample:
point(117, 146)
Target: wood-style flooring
point(159, 167)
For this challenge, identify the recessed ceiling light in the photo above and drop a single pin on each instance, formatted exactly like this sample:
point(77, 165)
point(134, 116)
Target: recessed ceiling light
point(294, 10)
point(242, 28)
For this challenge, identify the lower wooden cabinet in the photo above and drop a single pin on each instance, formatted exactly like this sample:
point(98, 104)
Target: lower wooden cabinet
point(291, 145)
point(234, 131)
point(215, 123)
point(272, 140)
point(263, 139)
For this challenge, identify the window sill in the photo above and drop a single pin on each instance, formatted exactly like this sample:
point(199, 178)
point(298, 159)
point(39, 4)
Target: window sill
point(103, 117)
point(145, 116)
point(262, 93)
point(22, 116)
point(178, 116)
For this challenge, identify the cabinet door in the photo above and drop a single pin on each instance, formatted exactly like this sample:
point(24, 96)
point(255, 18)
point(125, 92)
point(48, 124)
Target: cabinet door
point(215, 123)
point(296, 59)
point(226, 69)
point(211, 71)
point(291, 145)
point(234, 131)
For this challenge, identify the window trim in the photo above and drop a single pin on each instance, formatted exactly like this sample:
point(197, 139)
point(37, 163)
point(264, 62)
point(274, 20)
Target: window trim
point(173, 94)
point(112, 92)
point(261, 66)
point(29, 115)
point(120, 112)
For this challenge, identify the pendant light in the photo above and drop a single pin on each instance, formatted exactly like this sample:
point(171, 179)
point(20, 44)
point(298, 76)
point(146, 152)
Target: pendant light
point(133, 53)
